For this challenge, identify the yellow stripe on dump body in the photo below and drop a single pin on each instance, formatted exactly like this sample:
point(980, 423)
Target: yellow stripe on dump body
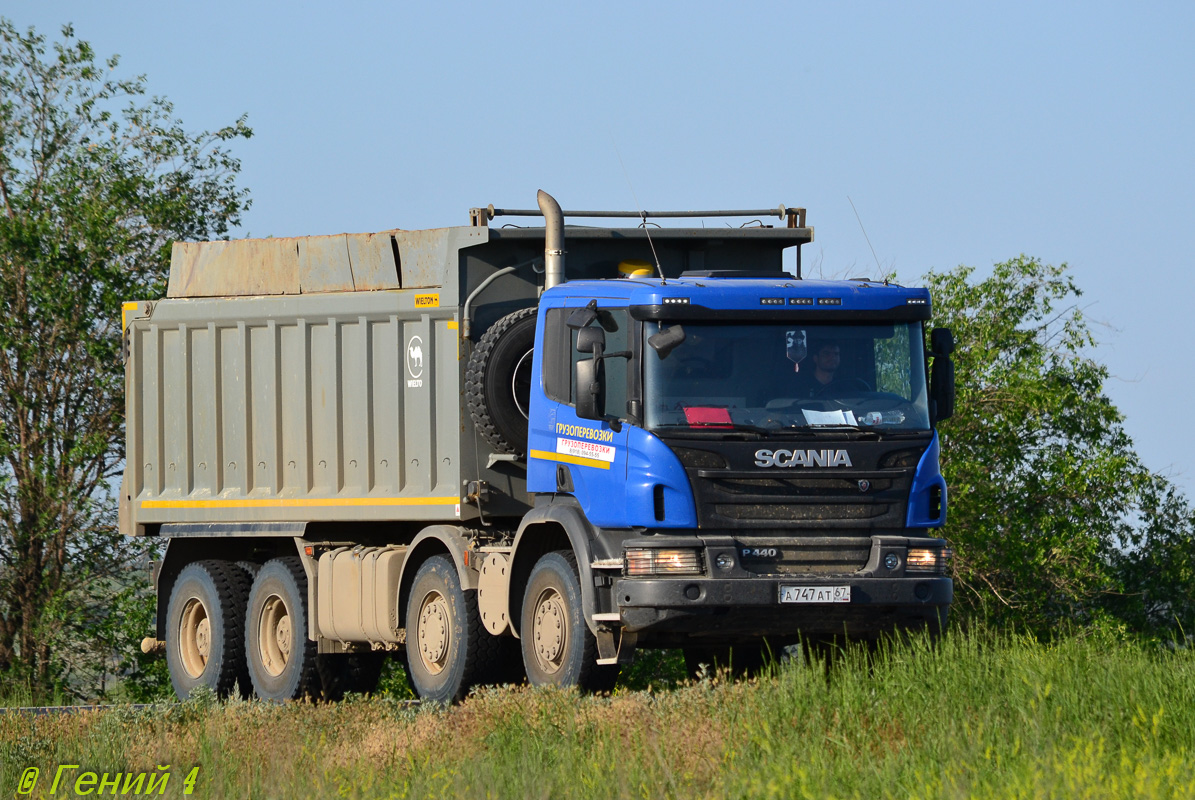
point(302, 502)
point(125, 308)
point(544, 455)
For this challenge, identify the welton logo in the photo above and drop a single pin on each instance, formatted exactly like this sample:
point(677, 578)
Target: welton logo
point(802, 458)
point(415, 362)
point(427, 301)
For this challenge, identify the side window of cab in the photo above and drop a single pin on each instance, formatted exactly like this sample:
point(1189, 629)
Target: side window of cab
point(561, 356)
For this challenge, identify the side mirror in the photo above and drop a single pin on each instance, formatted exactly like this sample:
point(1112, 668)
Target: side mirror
point(666, 340)
point(591, 340)
point(589, 389)
point(583, 317)
point(941, 342)
point(941, 380)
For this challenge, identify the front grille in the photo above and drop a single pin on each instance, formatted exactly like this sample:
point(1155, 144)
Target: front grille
point(821, 555)
point(820, 499)
point(789, 486)
point(800, 512)
point(732, 491)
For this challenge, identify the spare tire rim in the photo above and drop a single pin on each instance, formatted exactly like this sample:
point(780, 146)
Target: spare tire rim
point(435, 632)
point(274, 635)
point(520, 383)
point(549, 631)
point(194, 637)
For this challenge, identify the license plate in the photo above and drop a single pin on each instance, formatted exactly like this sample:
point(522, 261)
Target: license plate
point(815, 594)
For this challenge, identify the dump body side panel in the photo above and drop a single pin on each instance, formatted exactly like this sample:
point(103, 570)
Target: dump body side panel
point(334, 406)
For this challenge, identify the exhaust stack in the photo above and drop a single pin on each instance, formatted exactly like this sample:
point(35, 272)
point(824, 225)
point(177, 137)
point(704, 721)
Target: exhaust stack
point(553, 239)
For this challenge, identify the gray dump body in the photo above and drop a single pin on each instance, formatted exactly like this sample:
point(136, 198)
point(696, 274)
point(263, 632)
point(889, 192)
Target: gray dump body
point(320, 379)
point(302, 380)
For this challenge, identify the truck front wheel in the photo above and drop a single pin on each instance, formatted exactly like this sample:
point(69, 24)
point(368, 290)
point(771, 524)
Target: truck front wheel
point(558, 647)
point(204, 619)
point(282, 660)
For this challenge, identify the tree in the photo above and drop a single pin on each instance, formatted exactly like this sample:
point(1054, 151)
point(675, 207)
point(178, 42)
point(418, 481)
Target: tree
point(1157, 569)
point(1047, 496)
point(96, 181)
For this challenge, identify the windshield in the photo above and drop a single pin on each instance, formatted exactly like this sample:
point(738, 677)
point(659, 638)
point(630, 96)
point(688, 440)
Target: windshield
point(784, 376)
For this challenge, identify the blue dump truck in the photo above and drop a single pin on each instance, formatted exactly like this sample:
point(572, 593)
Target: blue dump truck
point(508, 452)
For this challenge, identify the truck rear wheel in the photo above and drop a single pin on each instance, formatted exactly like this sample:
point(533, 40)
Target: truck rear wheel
point(444, 633)
point(282, 660)
point(498, 381)
point(204, 624)
point(558, 647)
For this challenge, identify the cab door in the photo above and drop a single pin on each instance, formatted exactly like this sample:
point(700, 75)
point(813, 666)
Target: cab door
point(585, 458)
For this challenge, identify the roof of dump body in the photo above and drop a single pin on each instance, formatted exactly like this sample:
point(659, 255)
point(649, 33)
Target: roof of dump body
point(345, 262)
point(391, 259)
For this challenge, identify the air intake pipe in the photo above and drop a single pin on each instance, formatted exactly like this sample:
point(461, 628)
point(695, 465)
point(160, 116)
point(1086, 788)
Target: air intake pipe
point(553, 239)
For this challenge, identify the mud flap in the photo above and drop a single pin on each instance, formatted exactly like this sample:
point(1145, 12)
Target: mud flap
point(615, 645)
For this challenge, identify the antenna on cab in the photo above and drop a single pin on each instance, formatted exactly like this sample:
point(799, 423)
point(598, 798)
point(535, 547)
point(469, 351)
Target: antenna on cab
point(642, 213)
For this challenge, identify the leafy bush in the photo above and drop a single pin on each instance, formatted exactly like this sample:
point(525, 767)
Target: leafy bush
point(1054, 518)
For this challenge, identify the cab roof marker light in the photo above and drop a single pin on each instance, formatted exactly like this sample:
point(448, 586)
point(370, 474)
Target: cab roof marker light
point(829, 301)
point(800, 301)
point(676, 301)
point(771, 301)
point(916, 301)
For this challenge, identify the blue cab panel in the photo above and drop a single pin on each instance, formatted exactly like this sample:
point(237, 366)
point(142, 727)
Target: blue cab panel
point(627, 477)
point(928, 481)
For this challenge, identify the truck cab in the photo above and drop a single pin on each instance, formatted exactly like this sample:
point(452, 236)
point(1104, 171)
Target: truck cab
point(735, 496)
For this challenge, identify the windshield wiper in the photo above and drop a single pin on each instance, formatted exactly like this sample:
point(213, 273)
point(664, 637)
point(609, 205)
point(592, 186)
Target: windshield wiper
point(868, 432)
point(714, 430)
point(816, 429)
point(744, 430)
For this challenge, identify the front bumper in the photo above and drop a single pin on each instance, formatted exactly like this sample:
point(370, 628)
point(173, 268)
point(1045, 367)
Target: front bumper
point(684, 608)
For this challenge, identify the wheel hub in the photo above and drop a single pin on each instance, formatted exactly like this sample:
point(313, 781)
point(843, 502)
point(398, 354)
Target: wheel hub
point(435, 632)
point(283, 634)
point(274, 636)
point(549, 634)
point(194, 637)
point(203, 638)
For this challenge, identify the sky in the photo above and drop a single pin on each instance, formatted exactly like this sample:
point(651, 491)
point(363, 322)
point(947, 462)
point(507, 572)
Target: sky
point(963, 133)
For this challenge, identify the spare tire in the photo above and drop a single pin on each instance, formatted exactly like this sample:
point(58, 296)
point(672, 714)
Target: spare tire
point(498, 381)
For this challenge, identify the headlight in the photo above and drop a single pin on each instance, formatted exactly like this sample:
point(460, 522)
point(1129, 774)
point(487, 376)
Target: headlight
point(928, 559)
point(642, 562)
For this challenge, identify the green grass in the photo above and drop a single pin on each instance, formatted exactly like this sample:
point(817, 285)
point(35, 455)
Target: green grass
point(980, 716)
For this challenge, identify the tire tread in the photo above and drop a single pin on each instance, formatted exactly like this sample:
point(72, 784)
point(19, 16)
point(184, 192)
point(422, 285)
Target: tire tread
point(231, 583)
point(309, 685)
point(591, 676)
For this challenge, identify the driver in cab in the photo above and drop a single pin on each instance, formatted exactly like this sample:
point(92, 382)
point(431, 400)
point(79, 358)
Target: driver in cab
point(816, 378)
